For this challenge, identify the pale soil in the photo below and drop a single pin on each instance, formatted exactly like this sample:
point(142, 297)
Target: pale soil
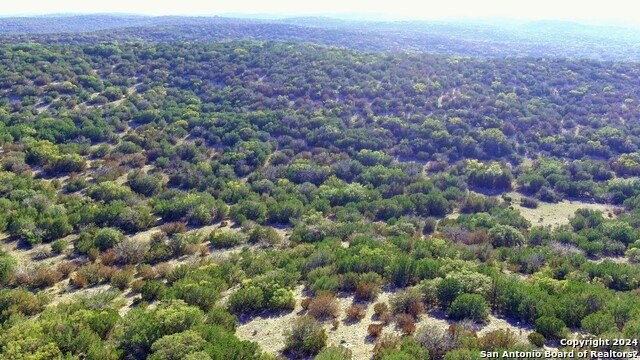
point(268, 330)
point(495, 323)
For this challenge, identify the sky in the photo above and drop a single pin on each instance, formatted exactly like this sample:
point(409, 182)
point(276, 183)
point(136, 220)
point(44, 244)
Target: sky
point(608, 10)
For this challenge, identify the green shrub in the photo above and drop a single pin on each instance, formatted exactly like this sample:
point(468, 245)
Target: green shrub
point(536, 339)
point(177, 273)
point(462, 354)
point(222, 317)
point(282, 299)
point(203, 293)
point(264, 235)
point(246, 300)
point(7, 266)
point(225, 239)
point(430, 225)
point(598, 323)
point(406, 300)
point(334, 353)
point(306, 338)
point(177, 346)
point(448, 290)
point(505, 235)
point(469, 306)
point(406, 348)
point(550, 327)
point(59, 246)
point(122, 279)
point(107, 238)
point(153, 290)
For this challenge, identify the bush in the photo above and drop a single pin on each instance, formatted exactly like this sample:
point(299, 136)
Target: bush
point(7, 267)
point(356, 312)
point(497, 339)
point(163, 269)
point(59, 246)
point(598, 323)
point(385, 342)
point(265, 236)
point(430, 225)
point(153, 290)
point(94, 274)
point(108, 257)
point(386, 318)
point(529, 203)
point(175, 227)
point(469, 306)
point(406, 323)
point(107, 238)
point(633, 254)
point(225, 239)
point(20, 301)
point(177, 273)
point(177, 346)
point(448, 290)
point(246, 300)
point(79, 281)
point(550, 327)
point(66, 268)
point(536, 339)
point(304, 303)
point(282, 299)
point(202, 294)
point(46, 277)
point(222, 317)
point(505, 235)
point(380, 308)
point(306, 338)
point(121, 279)
point(462, 354)
point(367, 291)
point(436, 339)
point(147, 272)
point(407, 301)
point(323, 306)
point(375, 330)
point(131, 251)
point(334, 353)
point(136, 285)
point(416, 309)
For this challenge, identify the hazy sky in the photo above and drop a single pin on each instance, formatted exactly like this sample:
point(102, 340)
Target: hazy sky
point(612, 10)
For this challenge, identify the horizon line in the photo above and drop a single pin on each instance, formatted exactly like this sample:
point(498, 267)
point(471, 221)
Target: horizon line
point(343, 16)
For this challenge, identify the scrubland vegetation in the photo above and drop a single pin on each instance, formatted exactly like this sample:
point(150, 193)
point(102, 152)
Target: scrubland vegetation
point(253, 168)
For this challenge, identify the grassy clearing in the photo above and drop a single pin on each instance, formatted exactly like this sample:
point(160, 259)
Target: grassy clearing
point(556, 214)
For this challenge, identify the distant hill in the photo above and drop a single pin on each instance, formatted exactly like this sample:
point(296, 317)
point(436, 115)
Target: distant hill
point(487, 38)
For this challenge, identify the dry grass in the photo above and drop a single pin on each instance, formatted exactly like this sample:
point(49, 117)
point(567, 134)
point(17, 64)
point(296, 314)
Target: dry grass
point(554, 215)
